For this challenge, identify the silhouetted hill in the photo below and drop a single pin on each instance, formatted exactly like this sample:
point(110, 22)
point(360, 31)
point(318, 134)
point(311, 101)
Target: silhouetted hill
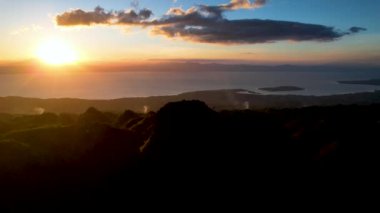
point(93, 115)
point(127, 119)
point(97, 159)
point(185, 138)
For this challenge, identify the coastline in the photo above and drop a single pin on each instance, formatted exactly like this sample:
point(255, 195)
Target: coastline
point(236, 99)
point(371, 82)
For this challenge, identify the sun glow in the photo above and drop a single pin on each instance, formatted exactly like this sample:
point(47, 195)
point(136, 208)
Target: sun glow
point(56, 52)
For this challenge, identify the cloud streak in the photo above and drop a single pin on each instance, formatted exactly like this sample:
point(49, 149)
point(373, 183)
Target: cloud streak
point(207, 24)
point(243, 4)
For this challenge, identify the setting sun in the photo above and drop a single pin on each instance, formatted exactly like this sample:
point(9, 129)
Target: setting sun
point(56, 52)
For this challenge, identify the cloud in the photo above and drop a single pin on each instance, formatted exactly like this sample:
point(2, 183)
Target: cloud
point(218, 10)
point(207, 24)
point(243, 4)
point(100, 16)
point(250, 31)
point(80, 17)
point(259, 3)
point(357, 29)
point(135, 4)
point(27, 29)
point(132, 17)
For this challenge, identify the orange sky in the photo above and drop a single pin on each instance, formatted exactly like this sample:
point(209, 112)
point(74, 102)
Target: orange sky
point(23, 36)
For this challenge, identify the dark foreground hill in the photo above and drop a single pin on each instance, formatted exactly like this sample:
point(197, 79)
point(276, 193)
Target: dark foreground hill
point(216, 99)
point(85, 162)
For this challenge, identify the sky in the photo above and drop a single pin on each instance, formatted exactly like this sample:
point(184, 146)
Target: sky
point(261, 31)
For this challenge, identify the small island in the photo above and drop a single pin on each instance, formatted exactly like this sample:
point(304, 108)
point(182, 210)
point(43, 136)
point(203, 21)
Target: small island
point(282, 89)
point(373, 82)
point(246, 92)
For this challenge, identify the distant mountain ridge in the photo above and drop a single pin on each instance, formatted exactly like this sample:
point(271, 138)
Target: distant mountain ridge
point(182, 66)
point(216, 99)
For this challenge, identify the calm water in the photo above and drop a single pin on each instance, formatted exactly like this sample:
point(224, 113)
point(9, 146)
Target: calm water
point(136, 84)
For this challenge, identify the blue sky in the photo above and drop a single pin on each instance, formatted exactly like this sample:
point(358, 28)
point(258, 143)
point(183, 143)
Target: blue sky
point(25, 22)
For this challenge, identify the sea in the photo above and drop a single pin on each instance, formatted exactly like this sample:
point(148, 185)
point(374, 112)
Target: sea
point(113, 85)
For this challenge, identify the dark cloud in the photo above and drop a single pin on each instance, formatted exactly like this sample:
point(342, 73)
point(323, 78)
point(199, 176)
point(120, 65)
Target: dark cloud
point(199, 16)
point(100, 16)
point(207, 24)
point(357, 29)
point(203, 23)
point(131, 17)
point(80, 17)
point(250, 31)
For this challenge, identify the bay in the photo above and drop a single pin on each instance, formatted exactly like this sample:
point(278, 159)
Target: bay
point(111, 85)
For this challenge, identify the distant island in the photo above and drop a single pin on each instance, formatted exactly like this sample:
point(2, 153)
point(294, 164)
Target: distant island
point(282, 89)
point(375, 82)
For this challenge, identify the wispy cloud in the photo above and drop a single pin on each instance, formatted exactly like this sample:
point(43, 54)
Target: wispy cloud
point(243, 4)
point(135, 4)
point(22, 30)
point(207, 24)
